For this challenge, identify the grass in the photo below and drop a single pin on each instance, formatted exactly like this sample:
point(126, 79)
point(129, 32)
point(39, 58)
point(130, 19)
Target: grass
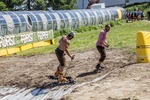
point(125, 35)
point(120, 36)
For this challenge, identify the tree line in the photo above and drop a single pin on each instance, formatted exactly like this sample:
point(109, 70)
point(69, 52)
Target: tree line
point(10, 5)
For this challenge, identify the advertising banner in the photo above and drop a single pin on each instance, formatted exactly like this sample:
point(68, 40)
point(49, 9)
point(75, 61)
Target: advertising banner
point(25, 38)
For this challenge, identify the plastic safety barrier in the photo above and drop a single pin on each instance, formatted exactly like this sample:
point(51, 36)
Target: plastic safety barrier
point(143, 47)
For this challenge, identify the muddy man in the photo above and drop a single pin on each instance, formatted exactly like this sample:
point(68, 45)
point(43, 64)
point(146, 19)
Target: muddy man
point(60, 51)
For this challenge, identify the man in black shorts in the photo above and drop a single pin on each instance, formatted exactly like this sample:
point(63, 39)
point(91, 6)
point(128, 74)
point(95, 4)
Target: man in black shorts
point(101, 46)
point(60, 51)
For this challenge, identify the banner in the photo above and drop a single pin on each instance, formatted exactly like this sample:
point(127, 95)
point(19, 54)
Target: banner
point(25, 38)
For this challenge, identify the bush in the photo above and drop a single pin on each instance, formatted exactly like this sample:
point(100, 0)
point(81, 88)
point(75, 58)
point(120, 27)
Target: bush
point(113, 23)
point(86, 28)
point(61, 32)
point(3, 6)
point(56, 34)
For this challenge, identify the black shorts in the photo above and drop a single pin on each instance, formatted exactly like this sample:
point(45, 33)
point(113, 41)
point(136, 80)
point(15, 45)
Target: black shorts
point(60, 56)
point(102, 52)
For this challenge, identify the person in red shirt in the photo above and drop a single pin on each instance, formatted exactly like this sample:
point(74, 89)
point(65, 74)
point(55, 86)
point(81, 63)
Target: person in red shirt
point(101, 44)
point(60, 51)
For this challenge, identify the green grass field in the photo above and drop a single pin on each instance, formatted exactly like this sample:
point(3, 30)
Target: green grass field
point(120, 36)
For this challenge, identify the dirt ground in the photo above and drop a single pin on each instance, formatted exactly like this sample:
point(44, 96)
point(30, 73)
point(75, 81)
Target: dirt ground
point(33, 71)
point(128, 83)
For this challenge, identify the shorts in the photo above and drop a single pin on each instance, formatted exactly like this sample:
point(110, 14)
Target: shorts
point(60, 56)
point(102, 52)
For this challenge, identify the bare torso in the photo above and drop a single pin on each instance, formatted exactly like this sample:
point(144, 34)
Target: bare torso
point(63, 43)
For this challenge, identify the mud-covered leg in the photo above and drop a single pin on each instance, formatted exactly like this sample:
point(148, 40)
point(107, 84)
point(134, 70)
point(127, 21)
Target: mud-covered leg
point(61, 78)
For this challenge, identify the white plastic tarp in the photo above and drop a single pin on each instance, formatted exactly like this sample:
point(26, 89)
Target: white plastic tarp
point(69, 19)
point(44, 21)
point(57, 20)
point(103, 16)
point(0, 28)
point(29, 27)
point(10, 23)
point(88, 16)
point(96, 17)
point(79, 18)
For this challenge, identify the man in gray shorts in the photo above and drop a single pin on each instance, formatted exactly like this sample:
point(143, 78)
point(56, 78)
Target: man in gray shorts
point(60, 51)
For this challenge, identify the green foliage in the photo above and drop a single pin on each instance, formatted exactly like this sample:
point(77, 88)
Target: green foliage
point(61, 32)
point(86, 28)
point(9, 4)
point(62, 4)
point(16, 2)
point(77, 30)
point(3, 6)
point(56, 34)
point(141, 6)
point(116, 22)
point(41, 5)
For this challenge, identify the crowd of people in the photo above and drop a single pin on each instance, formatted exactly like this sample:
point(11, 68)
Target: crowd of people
point(134, 15)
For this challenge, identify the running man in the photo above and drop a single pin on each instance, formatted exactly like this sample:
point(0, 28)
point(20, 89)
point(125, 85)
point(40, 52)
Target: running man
point(60, 51)
point(101, 44)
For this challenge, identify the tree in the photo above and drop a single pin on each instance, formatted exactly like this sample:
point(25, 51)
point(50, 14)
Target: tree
point(62, 4)
point(2, 6)
point(37, 4)
point(41, 4)
point(55, 4)
point(9, 4)
point(28, 5)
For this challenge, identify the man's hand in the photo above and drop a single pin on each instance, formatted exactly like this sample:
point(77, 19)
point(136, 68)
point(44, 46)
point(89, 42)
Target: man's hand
point(107, 45)
point(72, 57)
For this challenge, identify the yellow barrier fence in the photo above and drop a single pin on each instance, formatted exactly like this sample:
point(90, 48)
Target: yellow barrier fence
point(143, 47)
point(13, 50)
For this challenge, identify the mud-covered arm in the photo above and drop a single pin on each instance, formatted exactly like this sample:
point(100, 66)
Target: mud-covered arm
point(68, 53)
point(105, 43)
